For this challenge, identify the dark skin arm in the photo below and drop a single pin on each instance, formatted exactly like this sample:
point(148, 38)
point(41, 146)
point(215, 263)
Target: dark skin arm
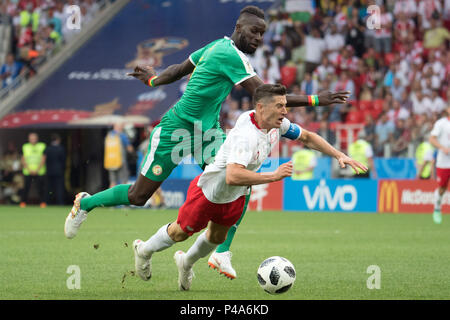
point(325, 98)
point(170, 74)
point(178, 71)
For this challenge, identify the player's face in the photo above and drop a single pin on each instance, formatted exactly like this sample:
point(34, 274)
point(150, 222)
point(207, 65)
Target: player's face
point(251, 33)
point(274, 112)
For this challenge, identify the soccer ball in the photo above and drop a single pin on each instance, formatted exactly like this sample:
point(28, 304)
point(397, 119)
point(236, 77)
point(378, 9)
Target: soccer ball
point(276, 275)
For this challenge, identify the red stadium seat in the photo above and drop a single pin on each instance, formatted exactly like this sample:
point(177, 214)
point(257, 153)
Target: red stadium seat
point(365, 105)
point(354, 117)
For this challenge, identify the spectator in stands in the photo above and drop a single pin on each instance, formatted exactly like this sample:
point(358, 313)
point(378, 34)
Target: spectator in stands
point(397, 112)
point(34, 168)
point(426, 11)
point(383, 35)
point(369, 129)
point(345, 83)
point(437, 104)
point(334, 41)
point(384, 130)
point(9, 70)
point(325, 132)
point(420, 103)
point(397, 89)
point(315, 47)
point(324, 69)
point(355, 37)
point(401, 137)
point(309, 85)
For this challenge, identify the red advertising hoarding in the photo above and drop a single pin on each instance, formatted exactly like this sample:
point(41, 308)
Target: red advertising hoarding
point(409, 196)
point(267, 197)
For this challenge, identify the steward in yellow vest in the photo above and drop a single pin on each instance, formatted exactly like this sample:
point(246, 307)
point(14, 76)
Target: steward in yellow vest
point(304, 162)
point(34, 169)
point(424, 159)
point(362, 151)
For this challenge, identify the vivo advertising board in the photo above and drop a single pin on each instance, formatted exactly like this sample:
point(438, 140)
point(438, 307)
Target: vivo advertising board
point(336, 195)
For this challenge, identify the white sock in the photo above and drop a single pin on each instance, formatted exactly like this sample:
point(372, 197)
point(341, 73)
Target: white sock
point(200, 249)
point(437, 200)
point(158, 242)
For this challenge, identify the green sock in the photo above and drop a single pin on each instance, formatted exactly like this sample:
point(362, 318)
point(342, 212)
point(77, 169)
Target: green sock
point(225, 246)
point(114, 196)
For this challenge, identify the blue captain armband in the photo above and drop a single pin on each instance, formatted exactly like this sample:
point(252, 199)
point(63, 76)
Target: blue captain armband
point(294, 132)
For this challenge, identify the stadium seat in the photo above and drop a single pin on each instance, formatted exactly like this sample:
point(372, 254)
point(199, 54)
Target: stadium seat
point(365, 105)
point(354, 117)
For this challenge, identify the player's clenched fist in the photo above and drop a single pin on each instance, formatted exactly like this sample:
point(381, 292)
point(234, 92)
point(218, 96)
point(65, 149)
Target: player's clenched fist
point(283, 171)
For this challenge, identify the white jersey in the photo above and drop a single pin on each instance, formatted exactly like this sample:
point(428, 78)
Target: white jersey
point(441, 131)
point(245, 144)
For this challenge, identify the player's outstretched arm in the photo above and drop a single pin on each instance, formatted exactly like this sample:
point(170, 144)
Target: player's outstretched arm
point(169, 75)
point(325, 98)
point(238, 175)
point(314, 141)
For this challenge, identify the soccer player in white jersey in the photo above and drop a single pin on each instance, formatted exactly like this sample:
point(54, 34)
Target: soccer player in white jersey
point(440, 139)
point(217, 196)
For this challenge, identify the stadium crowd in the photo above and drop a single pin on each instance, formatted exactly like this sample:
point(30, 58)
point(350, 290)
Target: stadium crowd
point(398, 72)
point(39, 27)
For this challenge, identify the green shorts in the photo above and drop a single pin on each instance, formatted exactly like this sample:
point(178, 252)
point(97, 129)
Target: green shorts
point(174, 139)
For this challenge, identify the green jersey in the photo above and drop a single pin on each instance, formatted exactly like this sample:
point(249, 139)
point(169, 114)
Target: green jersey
point(219, 66)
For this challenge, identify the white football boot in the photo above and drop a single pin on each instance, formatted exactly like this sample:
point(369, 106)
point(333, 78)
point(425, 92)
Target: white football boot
point(184, 276)
point(142, 264)
point(76, 216)
point(222, 263)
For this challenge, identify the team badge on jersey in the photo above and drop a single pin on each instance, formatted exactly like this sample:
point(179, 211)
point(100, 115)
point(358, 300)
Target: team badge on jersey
point(157, 170)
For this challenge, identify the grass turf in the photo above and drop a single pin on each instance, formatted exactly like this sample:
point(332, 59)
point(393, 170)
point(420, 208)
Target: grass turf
point(331, 254)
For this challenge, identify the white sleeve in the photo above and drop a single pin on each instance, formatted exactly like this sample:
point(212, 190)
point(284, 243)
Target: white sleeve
point(436, 129)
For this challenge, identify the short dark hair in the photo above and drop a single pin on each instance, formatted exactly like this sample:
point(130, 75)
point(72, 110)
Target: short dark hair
point(254, 10)
point(265, 91)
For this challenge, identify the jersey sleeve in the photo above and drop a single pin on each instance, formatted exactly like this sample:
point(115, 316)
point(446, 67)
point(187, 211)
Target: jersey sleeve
point(437, 129)
point(195, 56)
point(290, 130)
point(236, 66)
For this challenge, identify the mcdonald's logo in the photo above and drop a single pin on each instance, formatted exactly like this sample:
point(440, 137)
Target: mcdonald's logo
point(388, 197)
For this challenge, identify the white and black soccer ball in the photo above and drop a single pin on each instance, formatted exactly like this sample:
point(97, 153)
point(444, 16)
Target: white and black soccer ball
point(276, 275)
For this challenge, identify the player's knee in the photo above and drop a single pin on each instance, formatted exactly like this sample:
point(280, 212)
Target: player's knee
point(176, 233)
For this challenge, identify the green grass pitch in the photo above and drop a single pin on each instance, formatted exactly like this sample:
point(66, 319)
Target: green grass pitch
point(330, 251)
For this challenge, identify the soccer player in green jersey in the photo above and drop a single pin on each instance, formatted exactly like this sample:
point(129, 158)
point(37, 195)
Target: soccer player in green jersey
point(192, 125)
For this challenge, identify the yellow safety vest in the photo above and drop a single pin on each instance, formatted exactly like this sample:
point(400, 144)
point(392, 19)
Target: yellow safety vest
point(113, 158)
point(33, 154)
point(301, 160)
point(421, 151)
point(26, 18)
point(357, 151)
